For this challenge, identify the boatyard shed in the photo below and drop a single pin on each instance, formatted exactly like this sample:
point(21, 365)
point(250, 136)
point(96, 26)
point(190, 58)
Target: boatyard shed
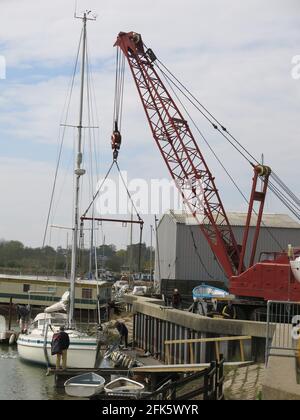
point(184, 253)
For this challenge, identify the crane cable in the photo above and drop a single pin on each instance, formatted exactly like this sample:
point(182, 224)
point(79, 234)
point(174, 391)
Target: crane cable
point(116, 137)
point(238, 146)
point(222, 165)
point(102, 184)
point(119, 88)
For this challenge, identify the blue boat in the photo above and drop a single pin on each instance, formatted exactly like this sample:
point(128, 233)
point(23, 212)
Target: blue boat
point(205, 291)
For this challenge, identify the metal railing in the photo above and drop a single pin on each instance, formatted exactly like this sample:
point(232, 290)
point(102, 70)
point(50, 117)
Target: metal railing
point(215, 340)
point(205, 385)
point(283, 329)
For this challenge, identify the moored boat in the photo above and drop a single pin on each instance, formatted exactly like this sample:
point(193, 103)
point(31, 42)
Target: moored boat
point(85, 385)
point(35, 347)
point(123, 387)
point(205, 291)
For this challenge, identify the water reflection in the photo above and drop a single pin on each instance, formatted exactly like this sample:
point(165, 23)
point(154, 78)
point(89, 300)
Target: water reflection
point(22, 381)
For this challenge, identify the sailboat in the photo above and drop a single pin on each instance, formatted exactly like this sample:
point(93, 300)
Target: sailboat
point(35, 345)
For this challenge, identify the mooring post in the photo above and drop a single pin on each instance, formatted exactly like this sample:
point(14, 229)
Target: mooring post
point(10, 314)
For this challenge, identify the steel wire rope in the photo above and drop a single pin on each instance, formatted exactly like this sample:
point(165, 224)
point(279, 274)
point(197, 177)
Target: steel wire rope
point(273, 175)
point(119, 89)
point(287, 200)
point(62, 142)
point(90, 131)
point(60, 148)
point(219, 161)
point(206, 110)
point(128, 193)
point(285, 187)
point(99, 189)
point(94, 119)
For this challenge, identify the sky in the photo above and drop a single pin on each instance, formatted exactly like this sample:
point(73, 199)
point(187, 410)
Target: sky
point(238, 57)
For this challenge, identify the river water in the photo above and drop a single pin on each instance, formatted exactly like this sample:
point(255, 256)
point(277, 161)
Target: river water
point(22, 381)
point(25, 381)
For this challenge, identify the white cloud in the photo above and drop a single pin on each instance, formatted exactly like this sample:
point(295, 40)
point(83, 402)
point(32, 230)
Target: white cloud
point(236, 59)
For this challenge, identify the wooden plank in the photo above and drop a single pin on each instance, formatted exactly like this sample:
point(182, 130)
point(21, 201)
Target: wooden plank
point(217, 351)
point(193, 367)
point(192, 356)
point(170, 368)
point(242, 351)
point(207, 340)
point(168, 354)
point(79, 371)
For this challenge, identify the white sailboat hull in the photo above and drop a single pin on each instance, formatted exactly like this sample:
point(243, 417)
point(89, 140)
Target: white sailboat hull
point(3, 336)
point(295, 266)
point(85, 385)
point(81, 353)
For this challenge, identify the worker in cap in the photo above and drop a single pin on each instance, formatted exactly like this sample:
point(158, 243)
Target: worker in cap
point(176, 299)
point(123, 331)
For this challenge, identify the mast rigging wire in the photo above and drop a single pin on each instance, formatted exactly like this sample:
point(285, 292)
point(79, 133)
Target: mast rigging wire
point(62, 142)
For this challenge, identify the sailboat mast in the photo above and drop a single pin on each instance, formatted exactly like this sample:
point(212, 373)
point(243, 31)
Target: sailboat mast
point(78, 172)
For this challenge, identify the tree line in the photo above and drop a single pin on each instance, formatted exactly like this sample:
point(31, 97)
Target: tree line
point(15, 257)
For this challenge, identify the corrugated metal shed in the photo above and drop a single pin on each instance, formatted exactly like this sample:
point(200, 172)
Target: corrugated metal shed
point(271, 220)
point(185, 254)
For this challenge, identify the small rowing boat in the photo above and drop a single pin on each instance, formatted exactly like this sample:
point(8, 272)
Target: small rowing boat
point(124, 386)
point(85, 385)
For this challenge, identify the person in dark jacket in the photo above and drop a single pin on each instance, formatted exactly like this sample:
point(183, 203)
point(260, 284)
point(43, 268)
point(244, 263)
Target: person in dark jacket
point(59, 346)
point(176, 299)
point(229, 311)
point(123, 331)
point(23, 313)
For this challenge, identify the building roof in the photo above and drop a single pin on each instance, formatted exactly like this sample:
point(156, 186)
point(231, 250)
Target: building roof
point(51, 280)
point(274, 220)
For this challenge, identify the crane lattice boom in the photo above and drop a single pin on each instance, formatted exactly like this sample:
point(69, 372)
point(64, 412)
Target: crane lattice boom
point(181, 153)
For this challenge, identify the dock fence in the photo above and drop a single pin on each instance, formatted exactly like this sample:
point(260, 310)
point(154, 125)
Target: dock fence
point(155, 336)
point(283, 329)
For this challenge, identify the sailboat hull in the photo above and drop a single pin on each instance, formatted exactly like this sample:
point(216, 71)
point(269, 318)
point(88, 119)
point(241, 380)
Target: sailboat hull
point(81, 353)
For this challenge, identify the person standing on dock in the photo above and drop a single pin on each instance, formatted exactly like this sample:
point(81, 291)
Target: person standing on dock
point(229, 311)
point(176, 299)
point(123, 331)
point(23, 317)
point(59, 346)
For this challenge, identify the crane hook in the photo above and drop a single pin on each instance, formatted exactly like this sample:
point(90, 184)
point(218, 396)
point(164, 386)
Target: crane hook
point(116, 140)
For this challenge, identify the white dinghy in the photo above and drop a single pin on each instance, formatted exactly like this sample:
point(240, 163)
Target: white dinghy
point(85, 385)
point(123, 387)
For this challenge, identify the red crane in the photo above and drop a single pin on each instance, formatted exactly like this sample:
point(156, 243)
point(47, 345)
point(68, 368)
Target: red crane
point(187, 166)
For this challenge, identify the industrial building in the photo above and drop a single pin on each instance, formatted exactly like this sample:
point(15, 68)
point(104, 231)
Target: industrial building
point(184, 253)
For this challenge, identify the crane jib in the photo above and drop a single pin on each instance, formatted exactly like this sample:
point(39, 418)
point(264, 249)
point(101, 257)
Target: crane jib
point(186, 163)
point(181, 153)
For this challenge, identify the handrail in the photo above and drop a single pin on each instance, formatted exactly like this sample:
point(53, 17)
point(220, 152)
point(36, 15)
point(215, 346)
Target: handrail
point(216, 340)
